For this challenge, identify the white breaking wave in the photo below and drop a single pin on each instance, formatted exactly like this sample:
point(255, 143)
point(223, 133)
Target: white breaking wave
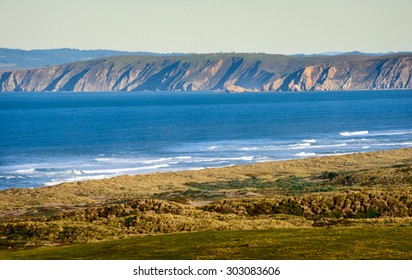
point(212, 148)
point(25, 171)
point(75, 172)
point(355, 140)
point(150, 161)
point(264, 148)
point(244, 158)
point(130, 160)
point(115, 160)
point(140, 160)
point(196, 168)
point(354, 133)
point(391, 133)
point(53, 183)
point(309, 141)
point(336, 154)
point(299, 146)
point(395, 144)
point(183, 157)
point(97, 174)
point(304, 154)
point(75, 179)
point(249, 149)
point(124, 170)
point(329, 146)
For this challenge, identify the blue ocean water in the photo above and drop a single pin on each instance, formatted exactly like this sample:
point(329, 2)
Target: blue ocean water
point(48, 138)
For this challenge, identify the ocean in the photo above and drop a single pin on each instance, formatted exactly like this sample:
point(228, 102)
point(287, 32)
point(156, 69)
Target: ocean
point(49, 138)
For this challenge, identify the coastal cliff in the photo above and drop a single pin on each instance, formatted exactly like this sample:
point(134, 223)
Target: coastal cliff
point(371, 74)
point(230, 72)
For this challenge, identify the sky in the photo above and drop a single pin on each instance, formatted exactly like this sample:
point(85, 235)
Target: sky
point(205, 26)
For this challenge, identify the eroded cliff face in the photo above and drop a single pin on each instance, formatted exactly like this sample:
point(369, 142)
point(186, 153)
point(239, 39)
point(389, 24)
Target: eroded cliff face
point(166, 74)
point(372, 74)
point(233, 73)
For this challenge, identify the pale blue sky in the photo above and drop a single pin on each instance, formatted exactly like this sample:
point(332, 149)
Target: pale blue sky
point(271, 26)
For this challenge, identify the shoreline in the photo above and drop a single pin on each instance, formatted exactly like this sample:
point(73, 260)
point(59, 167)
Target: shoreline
point(240, 165)
point(87, 193)
point(216, 168)
point(216, 91)
point(178, 170)
point(236, 166)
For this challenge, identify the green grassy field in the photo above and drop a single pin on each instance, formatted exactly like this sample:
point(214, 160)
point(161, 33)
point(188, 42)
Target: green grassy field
point(307, 243)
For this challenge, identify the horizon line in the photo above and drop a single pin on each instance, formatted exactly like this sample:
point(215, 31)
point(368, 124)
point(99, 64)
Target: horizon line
point(330, 53)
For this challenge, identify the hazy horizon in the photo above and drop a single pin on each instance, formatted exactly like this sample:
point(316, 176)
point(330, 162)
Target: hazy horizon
point(182, 26)
point(330, 53)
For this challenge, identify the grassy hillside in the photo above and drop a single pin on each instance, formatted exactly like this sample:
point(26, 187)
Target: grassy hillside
point(291, 244)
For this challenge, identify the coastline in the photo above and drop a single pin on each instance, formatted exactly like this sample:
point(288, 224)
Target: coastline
point(15, 202)
point(214, 91)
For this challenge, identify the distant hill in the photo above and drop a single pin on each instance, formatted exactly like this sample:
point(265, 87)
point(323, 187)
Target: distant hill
point(225, 71)
point(352, 53)
point(17, 59)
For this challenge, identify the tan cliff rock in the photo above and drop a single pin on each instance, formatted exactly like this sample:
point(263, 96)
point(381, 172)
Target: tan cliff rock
point(372, 74)
point(224, 72)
